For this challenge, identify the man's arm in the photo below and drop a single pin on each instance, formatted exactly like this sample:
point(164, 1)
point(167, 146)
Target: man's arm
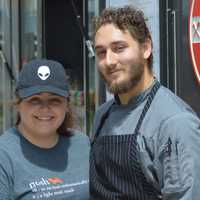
point(179, 157)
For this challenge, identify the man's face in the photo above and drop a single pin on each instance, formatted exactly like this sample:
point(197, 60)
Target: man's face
point(121, 59)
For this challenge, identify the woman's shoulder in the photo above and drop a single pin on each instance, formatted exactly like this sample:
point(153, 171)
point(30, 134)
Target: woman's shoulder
point(78, 144)
point(9, 138)
point(78, 136)
point(9, 147)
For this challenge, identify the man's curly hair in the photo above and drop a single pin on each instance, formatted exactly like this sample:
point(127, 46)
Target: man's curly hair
point(126, 18)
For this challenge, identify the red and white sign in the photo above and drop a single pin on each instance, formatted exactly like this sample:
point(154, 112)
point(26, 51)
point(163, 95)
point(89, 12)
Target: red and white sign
point(194, 36)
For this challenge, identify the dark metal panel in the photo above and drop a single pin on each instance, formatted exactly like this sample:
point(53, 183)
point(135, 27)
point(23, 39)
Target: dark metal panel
point(176, 66)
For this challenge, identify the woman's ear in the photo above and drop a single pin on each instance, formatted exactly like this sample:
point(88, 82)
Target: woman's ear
point(147, 46)
point(16, 105)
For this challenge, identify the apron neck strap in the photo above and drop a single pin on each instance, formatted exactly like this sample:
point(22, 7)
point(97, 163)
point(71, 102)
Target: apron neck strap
point(150, 97)
point(144, 111)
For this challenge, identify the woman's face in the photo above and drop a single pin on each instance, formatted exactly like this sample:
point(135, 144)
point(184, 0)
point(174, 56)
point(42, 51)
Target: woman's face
point(42, 114)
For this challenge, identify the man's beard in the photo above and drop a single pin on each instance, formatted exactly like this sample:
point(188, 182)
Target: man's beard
point(136, 73)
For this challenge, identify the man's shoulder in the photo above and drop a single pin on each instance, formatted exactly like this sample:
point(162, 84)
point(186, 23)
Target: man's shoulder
point(173, 113)
point(100, 113)
point(170, 103)
point(104, 107)
point(167, 111)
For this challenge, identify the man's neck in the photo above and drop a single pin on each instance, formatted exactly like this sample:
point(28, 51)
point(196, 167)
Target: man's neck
point(145, 82)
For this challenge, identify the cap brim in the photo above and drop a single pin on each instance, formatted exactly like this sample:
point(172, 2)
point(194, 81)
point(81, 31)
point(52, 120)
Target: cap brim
point(27, 92)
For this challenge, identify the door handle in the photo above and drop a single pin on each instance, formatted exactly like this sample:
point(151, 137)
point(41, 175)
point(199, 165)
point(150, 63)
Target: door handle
point(175, 51)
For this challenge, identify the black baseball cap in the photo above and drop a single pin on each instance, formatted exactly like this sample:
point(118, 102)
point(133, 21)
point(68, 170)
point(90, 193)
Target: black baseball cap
point(42, 75)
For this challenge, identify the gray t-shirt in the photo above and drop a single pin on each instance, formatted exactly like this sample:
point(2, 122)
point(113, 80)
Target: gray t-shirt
point(170, 142)
point(28, 172)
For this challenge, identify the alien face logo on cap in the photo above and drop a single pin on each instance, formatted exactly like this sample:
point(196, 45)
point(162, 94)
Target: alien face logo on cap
point(43, 72)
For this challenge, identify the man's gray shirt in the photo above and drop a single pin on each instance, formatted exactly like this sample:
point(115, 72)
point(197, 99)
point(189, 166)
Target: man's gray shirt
point(169, 141)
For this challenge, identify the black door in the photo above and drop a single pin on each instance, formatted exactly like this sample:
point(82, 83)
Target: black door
point(176, 65)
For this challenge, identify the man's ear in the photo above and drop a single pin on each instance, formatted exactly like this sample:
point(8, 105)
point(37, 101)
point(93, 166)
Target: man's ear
point(147, 47)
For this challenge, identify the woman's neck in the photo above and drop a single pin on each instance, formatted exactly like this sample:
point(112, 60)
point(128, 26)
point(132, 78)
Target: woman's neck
point(42, 142)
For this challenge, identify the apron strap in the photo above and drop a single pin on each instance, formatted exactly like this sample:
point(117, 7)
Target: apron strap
point(151, 96)
point(102, 120)
point(146, 107)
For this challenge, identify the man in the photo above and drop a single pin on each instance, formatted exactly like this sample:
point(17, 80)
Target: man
point(146, 142)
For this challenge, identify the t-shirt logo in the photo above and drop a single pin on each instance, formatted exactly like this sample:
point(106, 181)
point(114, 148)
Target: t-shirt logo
point(55, 180)
point(54, 188)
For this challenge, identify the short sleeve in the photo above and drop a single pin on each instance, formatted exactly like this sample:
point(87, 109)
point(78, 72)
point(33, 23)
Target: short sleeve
point(5, 180)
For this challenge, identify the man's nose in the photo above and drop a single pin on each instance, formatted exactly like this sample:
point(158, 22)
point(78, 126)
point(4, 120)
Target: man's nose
point(110, 58)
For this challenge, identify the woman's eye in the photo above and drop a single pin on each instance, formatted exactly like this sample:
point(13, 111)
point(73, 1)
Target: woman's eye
point(55, 101)
point(34, 101)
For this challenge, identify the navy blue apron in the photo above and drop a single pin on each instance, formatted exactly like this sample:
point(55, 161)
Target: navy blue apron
point(115, 169)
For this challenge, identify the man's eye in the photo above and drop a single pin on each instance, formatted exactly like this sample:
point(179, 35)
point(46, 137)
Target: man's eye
point(119, 48)
point(100, 53)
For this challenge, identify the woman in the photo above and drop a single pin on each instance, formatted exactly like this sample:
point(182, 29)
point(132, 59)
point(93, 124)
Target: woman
point(42, 157)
